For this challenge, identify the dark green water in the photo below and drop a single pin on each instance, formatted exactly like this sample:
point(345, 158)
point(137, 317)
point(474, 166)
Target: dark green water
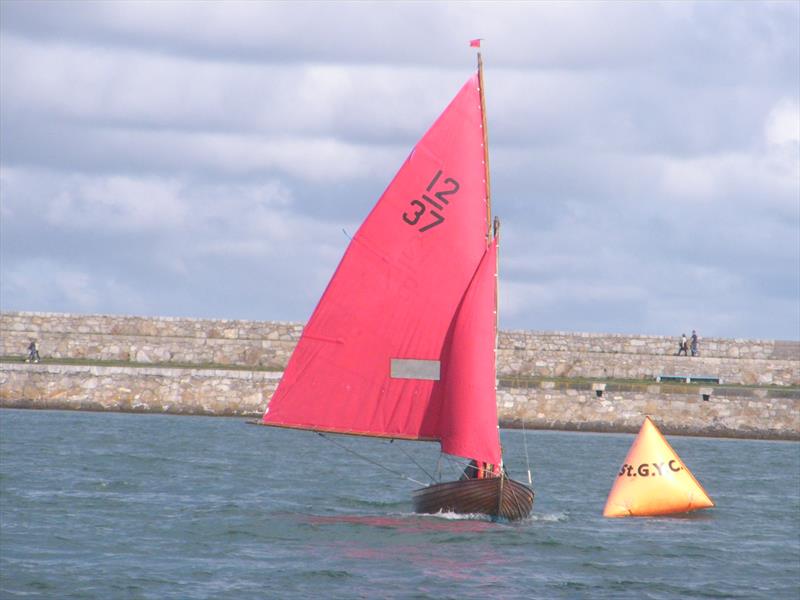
point(101, 505)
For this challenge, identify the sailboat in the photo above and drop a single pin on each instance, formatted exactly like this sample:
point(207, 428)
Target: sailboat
point(402, 343)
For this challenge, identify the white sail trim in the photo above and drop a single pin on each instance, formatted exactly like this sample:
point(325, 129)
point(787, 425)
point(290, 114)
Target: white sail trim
point(412, 368)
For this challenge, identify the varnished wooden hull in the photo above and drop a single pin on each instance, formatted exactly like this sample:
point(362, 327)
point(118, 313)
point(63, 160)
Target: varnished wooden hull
point(496, 497)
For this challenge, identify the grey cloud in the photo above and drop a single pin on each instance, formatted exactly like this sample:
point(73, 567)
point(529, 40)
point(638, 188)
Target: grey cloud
point(571, 35)
point(202, 159)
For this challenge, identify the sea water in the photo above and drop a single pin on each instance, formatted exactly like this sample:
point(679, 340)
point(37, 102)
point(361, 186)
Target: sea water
point(103, 505)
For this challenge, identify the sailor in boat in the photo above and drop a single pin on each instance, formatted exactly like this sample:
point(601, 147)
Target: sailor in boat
point(471, 471)
point(479, 470)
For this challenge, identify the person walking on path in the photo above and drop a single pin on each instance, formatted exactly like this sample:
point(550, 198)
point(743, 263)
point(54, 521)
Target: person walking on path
point(694, 341)
point(33, 353)
point(683, 346)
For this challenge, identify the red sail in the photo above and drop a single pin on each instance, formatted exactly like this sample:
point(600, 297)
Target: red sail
point(369, 359)
point(468, 426)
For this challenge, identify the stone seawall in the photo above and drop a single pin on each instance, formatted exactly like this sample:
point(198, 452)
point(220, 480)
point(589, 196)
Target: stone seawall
point(548, 380)
point(678, 409)
point(137, 389)
point(269, 344)
point(588, 365)
point(150, 340)
point(713, 411)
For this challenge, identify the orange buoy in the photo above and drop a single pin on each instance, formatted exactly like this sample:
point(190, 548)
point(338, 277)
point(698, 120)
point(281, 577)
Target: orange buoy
point(653, 480)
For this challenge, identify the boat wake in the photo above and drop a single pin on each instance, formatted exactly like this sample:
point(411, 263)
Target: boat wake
point(558, 517)
point(451, 516)
point(409, 522)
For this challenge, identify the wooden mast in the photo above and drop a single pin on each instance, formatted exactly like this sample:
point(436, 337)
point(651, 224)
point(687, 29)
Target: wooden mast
point(485, 151)
point(496, 232)
point(491, 233)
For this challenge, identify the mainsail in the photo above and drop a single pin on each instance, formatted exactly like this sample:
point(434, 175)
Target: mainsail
point(401, 343)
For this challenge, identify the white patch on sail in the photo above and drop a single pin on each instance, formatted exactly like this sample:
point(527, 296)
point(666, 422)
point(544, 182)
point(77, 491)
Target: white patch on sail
point(410, 368)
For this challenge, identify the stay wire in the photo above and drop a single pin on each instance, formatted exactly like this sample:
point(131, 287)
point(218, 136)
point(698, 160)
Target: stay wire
point(411, 458)
point(369, 460)
point(456, 466)
point(527, 460)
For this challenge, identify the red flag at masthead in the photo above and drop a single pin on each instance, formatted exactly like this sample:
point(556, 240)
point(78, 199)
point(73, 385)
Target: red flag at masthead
point(476, 43)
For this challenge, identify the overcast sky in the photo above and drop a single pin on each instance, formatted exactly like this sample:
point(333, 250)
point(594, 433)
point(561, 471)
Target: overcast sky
point(201, 159)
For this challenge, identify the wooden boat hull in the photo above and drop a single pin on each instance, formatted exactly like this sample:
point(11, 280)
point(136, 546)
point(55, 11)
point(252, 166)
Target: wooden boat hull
point(498, 497)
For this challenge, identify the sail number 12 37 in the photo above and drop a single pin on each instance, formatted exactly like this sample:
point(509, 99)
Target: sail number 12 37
point(433, 204)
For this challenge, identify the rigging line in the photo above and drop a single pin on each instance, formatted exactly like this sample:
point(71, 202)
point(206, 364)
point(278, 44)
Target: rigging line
point(455, 465)
point(369, 460)
point(411, 458)
point(525, 443)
